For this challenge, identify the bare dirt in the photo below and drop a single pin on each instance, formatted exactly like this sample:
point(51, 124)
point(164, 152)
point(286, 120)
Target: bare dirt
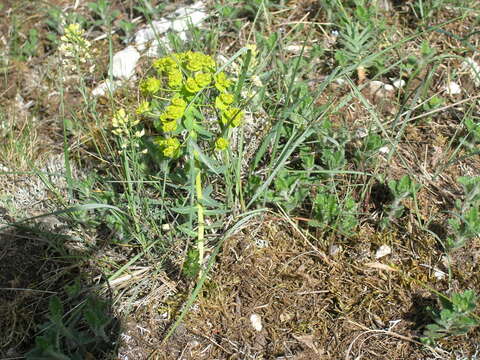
point(315, 306)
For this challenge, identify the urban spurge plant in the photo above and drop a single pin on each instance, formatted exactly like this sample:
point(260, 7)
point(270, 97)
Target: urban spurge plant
point(192, 106)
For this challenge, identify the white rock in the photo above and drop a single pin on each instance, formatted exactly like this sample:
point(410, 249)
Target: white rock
point(166, 227)
point(375, 85)
point(399, 83)
point(157, 47)
point(382, 251)
point(195, 11)
point(293, 48)
point(150, 32)
point(188, 15)
point(178, 21)
point(183, 35)
point(256, 321)
point(106, 86)
point(124, 62)
point(261, 243)
point(379, 87)
point(388, 87)
point(473, 68)
point(452, 88)
point(381, 90)
point(361, 133)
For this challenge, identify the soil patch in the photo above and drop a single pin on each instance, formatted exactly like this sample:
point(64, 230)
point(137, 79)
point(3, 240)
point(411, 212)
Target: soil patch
point(312, 306)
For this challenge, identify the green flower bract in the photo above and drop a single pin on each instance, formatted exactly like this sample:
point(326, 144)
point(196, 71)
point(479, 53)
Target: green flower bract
point(221, 144)
point(203, 79)
point(170, 147)
point(222, 101)
point(232, 116)
point(222, 83)
point(191, 86)
point(150, 86)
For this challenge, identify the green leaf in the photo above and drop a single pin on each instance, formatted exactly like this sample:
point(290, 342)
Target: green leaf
point(202, 131)
point(206, 160)
point(189, 118)
point(185, 210)
point(454, 317)
point(186, 230)
point(55, 308)
point(210, 212)
point(74, 289)
point(96, 316)
point(191, 267)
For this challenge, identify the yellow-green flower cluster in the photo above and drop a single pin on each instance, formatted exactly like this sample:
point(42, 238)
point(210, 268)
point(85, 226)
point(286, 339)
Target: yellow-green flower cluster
point(221, 144)
point(179, 79)
point(222, 82)
point(143, 108)
point(224, 100)
point(200, 66)
point(170, 147)
point(229, 115)
point(169, 66)
point(150, 86)
point(172, 113)
point(195, 61)
point(232, 116)
point(198, 82)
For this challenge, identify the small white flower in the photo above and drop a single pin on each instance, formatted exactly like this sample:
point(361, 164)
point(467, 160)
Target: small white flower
point(140, 133)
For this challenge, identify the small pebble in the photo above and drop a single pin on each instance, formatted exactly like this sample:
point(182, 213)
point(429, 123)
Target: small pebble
point(439, 274)
point(384, 150)
point(334, 249)
point(382, 251)
point(452, 88)
point(381, 90)
point(256, 321)
point(261, 243)
point(399, 83)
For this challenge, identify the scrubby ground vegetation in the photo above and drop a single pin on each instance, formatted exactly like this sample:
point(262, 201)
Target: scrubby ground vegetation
point(288, 179)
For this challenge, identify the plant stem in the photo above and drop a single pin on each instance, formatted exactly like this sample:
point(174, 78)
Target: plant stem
point(201, 223)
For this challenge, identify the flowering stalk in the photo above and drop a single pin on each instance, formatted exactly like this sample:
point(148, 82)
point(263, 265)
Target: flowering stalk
point(182, 96)
point(201, 223)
